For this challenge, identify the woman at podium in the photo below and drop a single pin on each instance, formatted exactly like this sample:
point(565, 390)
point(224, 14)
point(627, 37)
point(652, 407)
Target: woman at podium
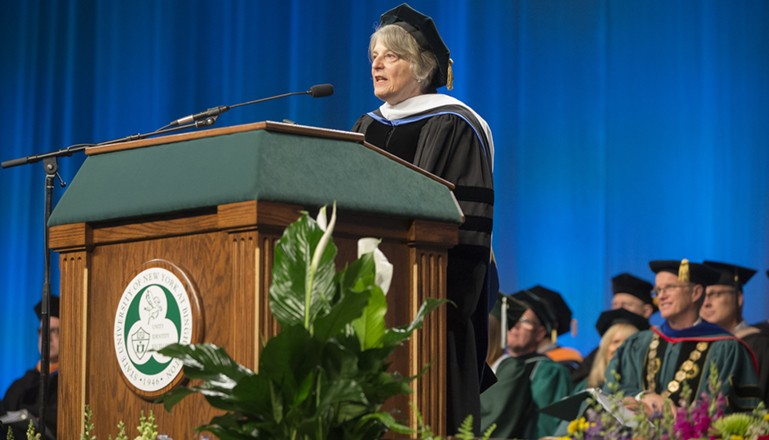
point(442, 135)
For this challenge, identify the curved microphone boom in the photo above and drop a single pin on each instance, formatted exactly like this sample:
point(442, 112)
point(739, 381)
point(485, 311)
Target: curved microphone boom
point(316, 91)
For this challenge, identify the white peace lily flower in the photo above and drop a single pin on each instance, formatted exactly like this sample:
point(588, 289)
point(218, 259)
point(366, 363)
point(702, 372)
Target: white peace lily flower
point(321, 220)
point(328, 229)
point(384, 269)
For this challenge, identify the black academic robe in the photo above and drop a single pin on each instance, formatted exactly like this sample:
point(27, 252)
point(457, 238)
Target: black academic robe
point(583, 370)
point(24, 394)
point(449, 141)
point(759, 344)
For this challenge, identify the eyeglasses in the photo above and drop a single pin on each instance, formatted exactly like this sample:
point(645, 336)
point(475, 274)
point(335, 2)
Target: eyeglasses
point(714, 294)
point(659, 290)
point(527, 324)
point(54, 331)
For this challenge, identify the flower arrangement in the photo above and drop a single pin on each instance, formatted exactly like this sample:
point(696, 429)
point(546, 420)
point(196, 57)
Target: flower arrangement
point(704, 418)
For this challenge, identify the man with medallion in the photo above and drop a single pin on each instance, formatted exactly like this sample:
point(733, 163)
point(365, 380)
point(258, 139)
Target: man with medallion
point(653, 366)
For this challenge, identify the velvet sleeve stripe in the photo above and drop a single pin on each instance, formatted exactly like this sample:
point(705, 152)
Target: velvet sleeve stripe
point(744, 397)
point(748, 391)
point(475, 194)
point(480, 224)
point(468, 251)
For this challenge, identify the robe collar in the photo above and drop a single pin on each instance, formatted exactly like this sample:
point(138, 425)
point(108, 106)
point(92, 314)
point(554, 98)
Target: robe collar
point(700, 330)
point(419, 104)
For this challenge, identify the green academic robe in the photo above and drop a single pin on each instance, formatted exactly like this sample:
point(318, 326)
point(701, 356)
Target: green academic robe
point(735, 367)
point(524, 384)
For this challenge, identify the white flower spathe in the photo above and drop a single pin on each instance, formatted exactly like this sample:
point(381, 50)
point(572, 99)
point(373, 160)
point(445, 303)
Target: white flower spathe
point(384, 269)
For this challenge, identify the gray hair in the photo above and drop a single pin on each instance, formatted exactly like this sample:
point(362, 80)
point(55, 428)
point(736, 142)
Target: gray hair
point(423, 62)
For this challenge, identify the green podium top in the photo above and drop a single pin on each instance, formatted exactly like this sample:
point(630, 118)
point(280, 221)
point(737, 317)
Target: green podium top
point(227, 166)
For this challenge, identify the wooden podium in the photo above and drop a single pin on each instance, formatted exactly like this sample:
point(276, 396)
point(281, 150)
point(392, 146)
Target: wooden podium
point(209, 206)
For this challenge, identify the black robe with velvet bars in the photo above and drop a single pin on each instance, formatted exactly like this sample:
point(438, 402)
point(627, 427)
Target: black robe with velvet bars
point(450, 142)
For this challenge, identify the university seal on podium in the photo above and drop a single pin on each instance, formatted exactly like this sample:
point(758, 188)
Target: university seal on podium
point(158, 307)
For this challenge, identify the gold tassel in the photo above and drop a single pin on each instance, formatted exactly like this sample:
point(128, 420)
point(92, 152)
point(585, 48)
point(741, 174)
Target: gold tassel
point(450, 76)
point(553, 335)
point(683, 271)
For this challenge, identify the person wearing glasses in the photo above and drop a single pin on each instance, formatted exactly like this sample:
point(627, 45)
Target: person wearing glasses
point(723, 306)
point(723, 301)
point(526, 380)
point(24, 393)
point(655, 366)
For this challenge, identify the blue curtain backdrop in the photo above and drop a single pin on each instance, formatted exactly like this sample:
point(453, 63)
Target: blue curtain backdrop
point(625, 130)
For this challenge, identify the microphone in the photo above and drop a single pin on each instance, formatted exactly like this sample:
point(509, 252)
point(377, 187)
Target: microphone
point(321, 90)
point(316, 91)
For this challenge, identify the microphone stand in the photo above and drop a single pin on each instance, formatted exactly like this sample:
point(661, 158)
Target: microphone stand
point(51, 167)
point(51, 172)
point(80, 147)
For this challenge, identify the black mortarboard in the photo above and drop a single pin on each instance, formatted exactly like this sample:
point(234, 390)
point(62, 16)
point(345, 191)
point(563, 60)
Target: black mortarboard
point(549, 307)
point(423, 29)
point(685, 271)
point(731, 274)
point(611, 317)
point(54, 307)
point(514, 309)
point(559, 307)
point(632, 285)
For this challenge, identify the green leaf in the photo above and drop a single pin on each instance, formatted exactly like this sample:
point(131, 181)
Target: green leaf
point(370, 327)
point(384, 385)
point(207, 362)
point(230, 426)
point(218, 373)
point(338, 361)
point(359, 277)
point(292, 277)
point(347, 309)
point(171, 398)
point(396, 336)
point(305, 389)
point(276, 399)
point(252, 394)
point(288, 358)
point(343, 394)
point(389, 421)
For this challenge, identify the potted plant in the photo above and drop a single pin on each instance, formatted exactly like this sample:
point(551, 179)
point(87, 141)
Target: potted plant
point(325, 375)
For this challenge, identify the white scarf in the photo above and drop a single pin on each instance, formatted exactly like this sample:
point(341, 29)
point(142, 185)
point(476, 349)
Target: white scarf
point(423, 103)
